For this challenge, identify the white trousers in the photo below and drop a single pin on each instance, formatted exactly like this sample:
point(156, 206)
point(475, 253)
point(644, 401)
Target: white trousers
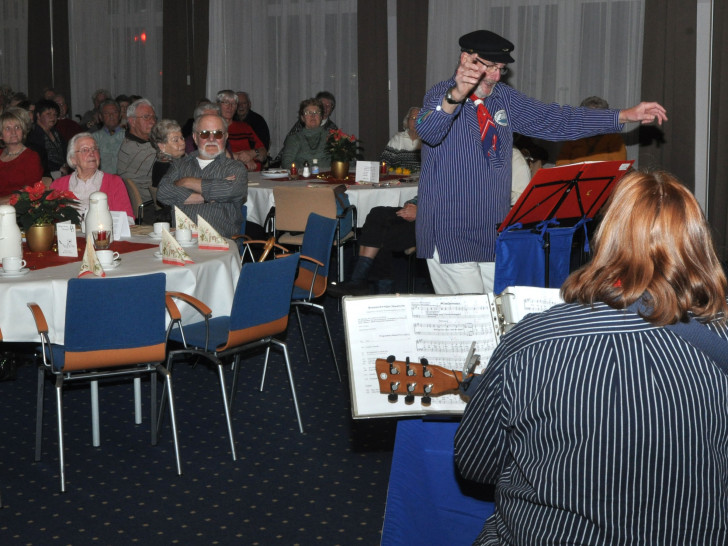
point(461, 278)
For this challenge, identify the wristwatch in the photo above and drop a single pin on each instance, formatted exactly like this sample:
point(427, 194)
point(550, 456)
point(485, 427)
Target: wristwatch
point(449, 99)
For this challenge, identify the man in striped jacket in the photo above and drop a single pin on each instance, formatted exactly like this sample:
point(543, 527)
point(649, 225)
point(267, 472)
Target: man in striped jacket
point(467, 125)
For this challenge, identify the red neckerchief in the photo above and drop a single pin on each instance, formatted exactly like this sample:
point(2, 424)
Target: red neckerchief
point(485, 121)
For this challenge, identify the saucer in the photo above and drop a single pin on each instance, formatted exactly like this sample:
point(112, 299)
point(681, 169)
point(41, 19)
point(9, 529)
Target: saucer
point(113, 265)
point(154, 236)
point(188, 243)
point(18, 273)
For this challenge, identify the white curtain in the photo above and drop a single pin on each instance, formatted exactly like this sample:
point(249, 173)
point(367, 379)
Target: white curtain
point(115, 45)
point(14, 44)
point(284, 51)
point(565, 50)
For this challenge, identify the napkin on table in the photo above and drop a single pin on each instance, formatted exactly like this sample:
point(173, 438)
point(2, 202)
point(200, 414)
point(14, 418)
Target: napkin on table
point(90, 264)
point(172, 252)
point(182, 221)
point(209, 238)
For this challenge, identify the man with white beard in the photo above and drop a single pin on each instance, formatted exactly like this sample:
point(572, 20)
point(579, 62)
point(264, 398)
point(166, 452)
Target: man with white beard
point(206, 182)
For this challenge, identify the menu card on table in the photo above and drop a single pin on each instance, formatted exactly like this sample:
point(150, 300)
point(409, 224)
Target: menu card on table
point(66, 234)
point(367, 171)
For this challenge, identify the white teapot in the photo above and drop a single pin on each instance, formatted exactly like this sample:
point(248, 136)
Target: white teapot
point(98, 216)
point(10, 239)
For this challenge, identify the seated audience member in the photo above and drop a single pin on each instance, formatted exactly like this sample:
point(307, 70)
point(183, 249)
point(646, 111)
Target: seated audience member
point(91, 120)
point(328, 103)
point(136, 155)
point(206, 182)
point(255, 120)
point(310, 142)
point(111, 135)
point(123, 101)
point(597, 421)
point(386, 230)
point(166, 137)
point(83, 155)
point(608, 147)
point(244, 143)
point(65, 125)
point(536, 156)
point(19, 166)
point(187, 127)
point(403, 149)
point(204, 107)
point(45, 139)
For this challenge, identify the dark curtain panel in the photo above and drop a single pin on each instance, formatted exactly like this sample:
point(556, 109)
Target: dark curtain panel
point(373, 80)
point(718, 159)
point(184, 54)
point(48, 67)
point(668, 77)
point(411, 52)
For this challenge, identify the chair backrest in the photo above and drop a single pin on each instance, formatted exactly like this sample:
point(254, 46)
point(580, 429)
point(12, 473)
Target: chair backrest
point(317, 241)
point(293, 205)
point(134, 195)
point(106, 325)
point(262, 300)
point(245, 220)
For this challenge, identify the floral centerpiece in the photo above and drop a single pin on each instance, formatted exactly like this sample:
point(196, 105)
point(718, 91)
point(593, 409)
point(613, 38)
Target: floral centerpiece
point(37, 205)
point(342, 147)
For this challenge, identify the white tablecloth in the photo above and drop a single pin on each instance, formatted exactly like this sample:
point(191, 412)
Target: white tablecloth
point(364, 196)
point(212, 279)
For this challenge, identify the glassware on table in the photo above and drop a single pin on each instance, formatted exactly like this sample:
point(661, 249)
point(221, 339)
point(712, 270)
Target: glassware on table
point(102, 238)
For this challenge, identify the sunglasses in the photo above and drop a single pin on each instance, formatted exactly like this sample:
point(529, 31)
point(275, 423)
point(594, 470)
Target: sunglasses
point(217, 135)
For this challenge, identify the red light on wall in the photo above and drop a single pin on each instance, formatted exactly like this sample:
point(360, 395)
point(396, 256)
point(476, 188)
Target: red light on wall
point(136, 38)
point(144, 36)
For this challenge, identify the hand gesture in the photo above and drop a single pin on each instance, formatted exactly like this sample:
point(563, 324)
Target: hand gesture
point(408, 212)
point(644, 112)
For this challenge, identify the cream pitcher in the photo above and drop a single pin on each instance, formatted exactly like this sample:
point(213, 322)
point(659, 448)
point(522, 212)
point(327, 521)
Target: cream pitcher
point(10, 240)
point(98, 217)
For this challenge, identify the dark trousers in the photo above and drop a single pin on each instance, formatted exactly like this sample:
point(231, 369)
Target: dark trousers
point(385, 230)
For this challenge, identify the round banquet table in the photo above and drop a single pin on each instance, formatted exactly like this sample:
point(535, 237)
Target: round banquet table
point(211, 279)
point(363, 196)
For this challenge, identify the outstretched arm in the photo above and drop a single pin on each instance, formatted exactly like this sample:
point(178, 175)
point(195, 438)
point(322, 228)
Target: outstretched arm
point(644, 112)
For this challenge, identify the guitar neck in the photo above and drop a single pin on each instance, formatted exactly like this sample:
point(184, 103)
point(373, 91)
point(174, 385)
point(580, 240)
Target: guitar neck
point(415, 379)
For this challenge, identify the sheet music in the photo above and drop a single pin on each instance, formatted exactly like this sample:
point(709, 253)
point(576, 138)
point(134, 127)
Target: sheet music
point(518, 301)
point(439, 328)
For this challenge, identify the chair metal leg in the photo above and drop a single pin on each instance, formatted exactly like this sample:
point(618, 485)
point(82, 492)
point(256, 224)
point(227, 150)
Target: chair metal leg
point(265, 366)
point(153, 410)
point(138, 400)
point(172, 415)
point(290, 381)
point(331, 342)
point(226, 406)
point(236, 372)
point(303, 336)
point(59, 413)
point(39, 413)
point(95, 432)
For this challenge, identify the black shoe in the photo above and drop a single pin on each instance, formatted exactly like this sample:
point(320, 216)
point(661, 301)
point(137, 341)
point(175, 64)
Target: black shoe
point(348, 288)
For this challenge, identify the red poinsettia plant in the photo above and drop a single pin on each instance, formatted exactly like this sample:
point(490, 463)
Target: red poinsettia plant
point(37, 205)
point(342, 147)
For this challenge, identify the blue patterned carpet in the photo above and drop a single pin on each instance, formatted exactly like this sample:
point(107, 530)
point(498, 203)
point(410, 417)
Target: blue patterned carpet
point(327, 486)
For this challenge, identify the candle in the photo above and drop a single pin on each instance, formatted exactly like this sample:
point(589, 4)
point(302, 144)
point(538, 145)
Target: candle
point(383, 168)
point(102, 234)
point(294, 170)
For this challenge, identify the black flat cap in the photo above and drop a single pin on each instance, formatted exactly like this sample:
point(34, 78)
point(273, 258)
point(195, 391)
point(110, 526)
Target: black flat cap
point(487, 45)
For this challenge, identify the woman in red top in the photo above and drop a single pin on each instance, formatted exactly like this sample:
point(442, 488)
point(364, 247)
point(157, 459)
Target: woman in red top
point(19, 166)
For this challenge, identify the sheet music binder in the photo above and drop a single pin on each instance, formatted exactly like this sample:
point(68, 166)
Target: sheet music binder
point(439, 328)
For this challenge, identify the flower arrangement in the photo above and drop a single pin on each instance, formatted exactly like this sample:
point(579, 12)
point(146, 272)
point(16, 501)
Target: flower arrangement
point(36, 205)
point(342, 147)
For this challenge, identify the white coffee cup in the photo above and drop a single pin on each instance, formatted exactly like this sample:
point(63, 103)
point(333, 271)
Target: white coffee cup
point(183, 235)
point(12, 264)
point(107, 257)
point(159, 227)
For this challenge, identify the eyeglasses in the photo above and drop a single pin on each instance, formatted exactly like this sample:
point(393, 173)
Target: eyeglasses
point(311, 113)
point(229, 102)
point(490, 68)
point(217, 135)
point(87, 150)
point(147, 117)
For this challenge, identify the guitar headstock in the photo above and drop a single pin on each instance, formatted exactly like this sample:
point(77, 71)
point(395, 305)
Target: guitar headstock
point(415, 379)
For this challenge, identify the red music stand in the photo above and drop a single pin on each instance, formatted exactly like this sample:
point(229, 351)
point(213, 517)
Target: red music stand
point(568, 195)
point(569, 192)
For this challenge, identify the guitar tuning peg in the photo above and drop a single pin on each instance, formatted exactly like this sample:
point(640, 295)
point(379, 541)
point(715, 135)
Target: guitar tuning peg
point(392, 398)
point(409, 399)
point(391, 359)
point(426, 401)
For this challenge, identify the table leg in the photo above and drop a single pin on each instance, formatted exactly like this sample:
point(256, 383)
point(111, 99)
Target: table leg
point(95, 414)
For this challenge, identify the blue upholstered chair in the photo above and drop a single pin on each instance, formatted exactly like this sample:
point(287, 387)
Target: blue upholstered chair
point(313, 274)
point(107, 334)
point(260, 310)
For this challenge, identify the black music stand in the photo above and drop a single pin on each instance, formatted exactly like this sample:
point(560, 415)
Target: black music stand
point(569, 193)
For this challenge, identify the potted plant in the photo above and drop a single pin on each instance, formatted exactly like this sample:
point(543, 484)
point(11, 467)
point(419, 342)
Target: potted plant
point(342, 149)
point(38, 209)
